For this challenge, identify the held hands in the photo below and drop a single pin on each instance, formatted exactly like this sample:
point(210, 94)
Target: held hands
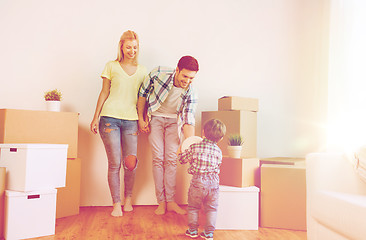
point(144, 126)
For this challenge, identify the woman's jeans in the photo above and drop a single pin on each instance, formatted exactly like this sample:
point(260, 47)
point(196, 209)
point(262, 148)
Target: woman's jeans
point(118, 134)
point(164, 141)
point(204, 190)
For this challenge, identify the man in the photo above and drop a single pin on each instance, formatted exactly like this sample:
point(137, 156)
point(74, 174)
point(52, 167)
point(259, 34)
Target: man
point(170, 103)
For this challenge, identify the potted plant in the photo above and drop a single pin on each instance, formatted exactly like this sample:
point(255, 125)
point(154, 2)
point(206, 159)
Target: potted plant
point(53, 99)
point(235, 146)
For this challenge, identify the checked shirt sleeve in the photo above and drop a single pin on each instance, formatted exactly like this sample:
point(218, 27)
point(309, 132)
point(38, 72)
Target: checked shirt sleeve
point(147, 85)
point(185, 156)
point(189, 108)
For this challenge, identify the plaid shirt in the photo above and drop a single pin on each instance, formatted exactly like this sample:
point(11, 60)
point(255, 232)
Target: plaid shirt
point(204, 157)
point(156, 87)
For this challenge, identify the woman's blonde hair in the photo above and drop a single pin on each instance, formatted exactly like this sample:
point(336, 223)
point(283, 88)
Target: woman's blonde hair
point(128, 35)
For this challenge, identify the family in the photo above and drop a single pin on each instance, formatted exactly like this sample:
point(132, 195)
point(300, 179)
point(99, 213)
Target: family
point(161, 103)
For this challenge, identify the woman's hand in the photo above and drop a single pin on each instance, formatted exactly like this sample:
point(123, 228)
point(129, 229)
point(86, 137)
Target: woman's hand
point(94, 126)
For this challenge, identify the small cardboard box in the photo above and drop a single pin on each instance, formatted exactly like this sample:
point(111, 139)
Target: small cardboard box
point(283, 196)
point(237, 122)
point(239, 172)
point(27, 126)
point(68, 197)
point(30, 215)
point(31, 167)
point(238, 208)
point(237, 103)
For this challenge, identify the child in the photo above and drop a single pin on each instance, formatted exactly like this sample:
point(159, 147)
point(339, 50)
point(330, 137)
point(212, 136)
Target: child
point(205, 159)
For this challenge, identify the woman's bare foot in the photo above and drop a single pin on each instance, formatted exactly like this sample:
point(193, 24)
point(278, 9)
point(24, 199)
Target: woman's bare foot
point(117, 210)
point(127, 207)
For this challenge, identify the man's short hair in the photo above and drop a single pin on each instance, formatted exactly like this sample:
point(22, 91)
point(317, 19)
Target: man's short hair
point(214, 130)
point(189, 63)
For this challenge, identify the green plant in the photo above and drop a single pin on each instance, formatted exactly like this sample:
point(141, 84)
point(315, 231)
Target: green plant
point(53, 95)
point(235, 140)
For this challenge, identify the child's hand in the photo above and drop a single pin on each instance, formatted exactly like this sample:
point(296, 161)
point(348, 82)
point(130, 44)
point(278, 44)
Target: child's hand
point(179, 149)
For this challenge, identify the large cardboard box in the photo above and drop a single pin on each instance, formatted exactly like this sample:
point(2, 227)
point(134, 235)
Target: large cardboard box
point(238, 208)
point(237, 103)
point(237, 122)
point(31, 167)
point(239, 172)
point(2, 199)
point(30, 215)
point(283, 196)
point(27, 126)
point(68, 197)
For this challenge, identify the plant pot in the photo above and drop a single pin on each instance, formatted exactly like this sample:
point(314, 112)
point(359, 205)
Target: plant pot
point(234, 151)
point(53, 106)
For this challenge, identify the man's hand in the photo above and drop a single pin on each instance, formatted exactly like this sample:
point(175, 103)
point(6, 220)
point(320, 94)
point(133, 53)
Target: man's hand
point(188, 131)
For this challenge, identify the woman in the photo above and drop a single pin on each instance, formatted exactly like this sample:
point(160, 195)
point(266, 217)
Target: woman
point(118, 127)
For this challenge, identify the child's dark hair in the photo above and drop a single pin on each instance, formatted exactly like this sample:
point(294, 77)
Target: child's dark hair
point(214, 130)
point(189, 63)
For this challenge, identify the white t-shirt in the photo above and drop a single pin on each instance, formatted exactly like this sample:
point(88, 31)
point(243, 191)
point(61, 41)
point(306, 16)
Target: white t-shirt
point(169, 107)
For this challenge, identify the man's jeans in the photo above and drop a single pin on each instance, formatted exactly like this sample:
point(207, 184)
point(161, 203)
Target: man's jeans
point(204, 190)
point(118, 134)
point(164, 142)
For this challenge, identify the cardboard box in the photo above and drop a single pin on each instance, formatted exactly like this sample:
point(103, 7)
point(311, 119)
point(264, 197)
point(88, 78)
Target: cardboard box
point(68, 197)
point(26, 126)
point(237, 122)
point(2, 200)
point(238, 208)
point(237, 103)
point(31, 167)
point(283, 196)
point(29, 215)
point(239, 172)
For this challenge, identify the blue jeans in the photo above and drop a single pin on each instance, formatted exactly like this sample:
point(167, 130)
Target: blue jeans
point(118, 134)
point(204, 190)
point(164, 142)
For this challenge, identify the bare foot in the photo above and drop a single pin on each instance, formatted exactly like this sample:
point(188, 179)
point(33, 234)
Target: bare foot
point(161, 209)
point(128, 205)
point(173, 206)
point(117, 210)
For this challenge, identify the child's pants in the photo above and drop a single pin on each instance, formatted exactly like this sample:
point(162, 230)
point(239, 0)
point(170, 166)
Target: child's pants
point(203, 190)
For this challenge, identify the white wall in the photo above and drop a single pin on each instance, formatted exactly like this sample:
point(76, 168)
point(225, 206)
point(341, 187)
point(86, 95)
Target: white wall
point(271, 50)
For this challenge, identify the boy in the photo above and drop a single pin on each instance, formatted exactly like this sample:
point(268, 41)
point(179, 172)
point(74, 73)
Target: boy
point(205, 159)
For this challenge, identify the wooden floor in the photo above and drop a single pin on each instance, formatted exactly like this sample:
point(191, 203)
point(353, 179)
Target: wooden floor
point(142, 223)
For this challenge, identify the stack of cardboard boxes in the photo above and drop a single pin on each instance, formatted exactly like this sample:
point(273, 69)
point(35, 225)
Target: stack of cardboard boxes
point(22, 133)
point(239, 192)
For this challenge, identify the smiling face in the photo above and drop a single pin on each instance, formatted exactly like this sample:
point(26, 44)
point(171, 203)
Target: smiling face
point(129, 49)
point(183, 77)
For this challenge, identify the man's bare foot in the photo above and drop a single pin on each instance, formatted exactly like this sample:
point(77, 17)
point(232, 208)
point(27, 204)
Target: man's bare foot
point(117, 210)
point(127, 207)
point(161, 209)
point(173, 206)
